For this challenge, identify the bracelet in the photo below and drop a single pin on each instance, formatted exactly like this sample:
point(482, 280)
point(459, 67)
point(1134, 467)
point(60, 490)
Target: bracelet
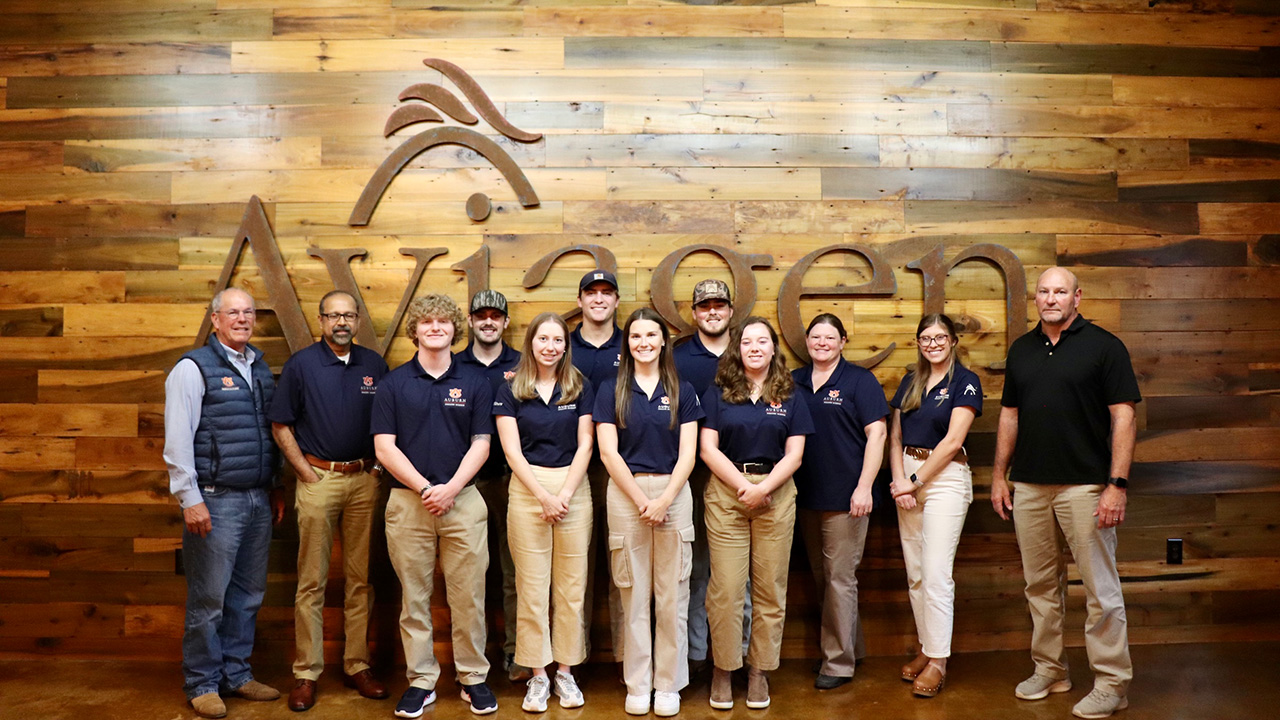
point(425, 489)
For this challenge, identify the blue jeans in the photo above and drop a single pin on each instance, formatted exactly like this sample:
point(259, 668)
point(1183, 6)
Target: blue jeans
point(226, 579)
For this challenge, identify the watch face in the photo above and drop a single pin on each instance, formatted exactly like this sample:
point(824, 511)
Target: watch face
point(1119, 482)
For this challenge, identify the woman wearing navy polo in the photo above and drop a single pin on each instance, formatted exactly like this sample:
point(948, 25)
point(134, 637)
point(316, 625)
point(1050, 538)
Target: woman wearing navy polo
point(932, 485)
point(647, 427)
point(833, 487)
point(752, 440)
point(544, 420)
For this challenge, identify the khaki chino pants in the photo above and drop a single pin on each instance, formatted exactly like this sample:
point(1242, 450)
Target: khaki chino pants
point(345, 504)
point(748, 541)
point(834, 542)
point(1038, 513)
point(551, 572)
point(460, 536)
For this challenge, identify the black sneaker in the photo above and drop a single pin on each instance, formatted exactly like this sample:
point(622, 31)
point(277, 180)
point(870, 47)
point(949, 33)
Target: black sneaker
point(481, 698)
point(414, 701)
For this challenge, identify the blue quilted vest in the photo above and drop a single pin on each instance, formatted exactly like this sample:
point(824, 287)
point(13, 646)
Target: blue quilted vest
point(233, 443)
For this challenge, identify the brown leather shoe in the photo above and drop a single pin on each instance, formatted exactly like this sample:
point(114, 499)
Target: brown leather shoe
point(366, 684)
point(930, 681)
point(303, 695)
point(911, 670)
point(209, 705)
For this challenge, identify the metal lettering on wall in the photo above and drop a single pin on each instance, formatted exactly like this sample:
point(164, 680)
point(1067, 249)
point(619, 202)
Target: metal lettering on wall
point(255, 231)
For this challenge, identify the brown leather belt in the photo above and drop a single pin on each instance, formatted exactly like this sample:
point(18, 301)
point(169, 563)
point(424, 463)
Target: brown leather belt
point(343, 468)
point(920, 453)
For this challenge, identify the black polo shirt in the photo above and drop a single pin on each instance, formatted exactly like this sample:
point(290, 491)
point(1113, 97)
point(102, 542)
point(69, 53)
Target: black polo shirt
point(328, 402)
point(596, 363)
point(925, 426)
point(849, 401)
point(696, 363)
point(1062, 392)
point(498, 374)
point(548, 431)
point(755, 431)
point(648, 444)
point(433, 419)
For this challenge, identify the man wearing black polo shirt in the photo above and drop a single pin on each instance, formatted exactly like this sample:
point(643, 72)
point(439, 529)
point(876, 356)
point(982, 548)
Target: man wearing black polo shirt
point(496, 360)
point(597, 348)
point(320, 419)
point(1067, 423)
point(696, 361)
point(431, 427)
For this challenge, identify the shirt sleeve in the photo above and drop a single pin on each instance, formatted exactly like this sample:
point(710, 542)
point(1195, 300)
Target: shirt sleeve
point(801, 422)
point(690, 407)
point(287, 400)
point(870, 400)
point(967, 392)
point(383, 420)
point(711, 408)
point(504, 402)
point(586, 400)
point(1119, 383)
point(482, 415)
point(603, 412)
point(183, 398)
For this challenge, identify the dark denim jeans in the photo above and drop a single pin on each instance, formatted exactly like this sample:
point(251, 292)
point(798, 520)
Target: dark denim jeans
point(226, 579)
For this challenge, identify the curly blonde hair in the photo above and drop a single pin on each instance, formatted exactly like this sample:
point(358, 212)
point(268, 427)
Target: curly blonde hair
point(434, 305)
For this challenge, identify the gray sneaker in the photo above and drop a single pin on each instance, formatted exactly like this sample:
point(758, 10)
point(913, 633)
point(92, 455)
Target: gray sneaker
point(1039, 686)
point(536, 694)
point(567, 689)
point(1099, 704)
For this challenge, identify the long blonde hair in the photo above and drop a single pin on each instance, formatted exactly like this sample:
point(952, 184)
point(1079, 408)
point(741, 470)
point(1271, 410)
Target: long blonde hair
point(567, 376)
point(627, 370)
point(920, 376)
point(731, 376)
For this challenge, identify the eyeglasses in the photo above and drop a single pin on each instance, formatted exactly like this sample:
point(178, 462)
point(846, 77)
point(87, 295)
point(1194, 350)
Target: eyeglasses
point(233, 314)
point(335, 316)
point(930, 341)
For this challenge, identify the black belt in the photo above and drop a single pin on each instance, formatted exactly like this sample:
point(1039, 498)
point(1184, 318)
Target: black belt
point(754, 468)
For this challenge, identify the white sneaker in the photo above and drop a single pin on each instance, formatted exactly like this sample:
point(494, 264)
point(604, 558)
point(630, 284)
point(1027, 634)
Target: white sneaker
point(1039, 686)
point(637, 704)
point(567, 689)
point(666, 704)
point(1099, 704)
point(535, 696)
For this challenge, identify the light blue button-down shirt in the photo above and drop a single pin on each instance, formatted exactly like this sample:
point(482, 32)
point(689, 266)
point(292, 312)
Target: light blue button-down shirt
point(183, 399)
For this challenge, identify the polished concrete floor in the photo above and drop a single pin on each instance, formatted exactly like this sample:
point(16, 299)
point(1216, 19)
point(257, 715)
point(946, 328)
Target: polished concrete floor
point(1195, 682)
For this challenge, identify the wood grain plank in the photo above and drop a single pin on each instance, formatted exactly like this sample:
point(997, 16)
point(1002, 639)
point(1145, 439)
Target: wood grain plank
point(714, 184)
point(804, 217)
point(97, 386)
point(1233, 153)
point(149, 58)
point(58, 287)
point(48, 188)
point(1153, 250)
point(719, 151)
point(259, 121)
point(288, 88)
point(1187, 314)
point(44, 254)
point(31, 453)
point(966, 184)
point(1133, 59)
point(775, 53)
point(174, 25)
point(395, 54)
point(31, 322)
point(1032, 153)
point(43, 156)
point(139, 221)
point(786, 118)
point(368, 152)
point(18, 385)
point(1175, 282)
point(1209, 444)
point(1057, 217)
point(96, 453)
point(73, 487)
point(167, 320)
point(664, 21)
point(1247, 218)
point(61, 620)
point(155, 155)
point(1178, 379)
point(1088, 121)
point(1190, 413)
point(1195, 478)
point(1196, 91)
point(50, 420)
point(143, 353)
point(439, 22)
point(635, 216)
point(856, 85)
point(1201, 184)
point(449, 218)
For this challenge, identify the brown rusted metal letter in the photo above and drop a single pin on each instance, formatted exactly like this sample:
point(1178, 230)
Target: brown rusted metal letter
point(882, 282)
point(338, 262)
point(480, 100)
point(662, 293)
point(535, 275)
point(476, 269)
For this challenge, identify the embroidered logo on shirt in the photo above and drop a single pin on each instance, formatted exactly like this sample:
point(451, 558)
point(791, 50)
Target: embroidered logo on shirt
point(617, 360)
point(228, 383)
point(970, 389)
point(570, 406)
point(368, 381)
point(366, 385)
point(508, 374)
point(664, 403)
point(455, 398)
point(775, 409)
point(833, 398)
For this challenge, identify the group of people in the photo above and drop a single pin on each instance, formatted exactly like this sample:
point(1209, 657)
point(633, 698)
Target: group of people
point(683, 468)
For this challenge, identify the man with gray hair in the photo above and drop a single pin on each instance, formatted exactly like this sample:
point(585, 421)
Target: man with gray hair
point(223, 471)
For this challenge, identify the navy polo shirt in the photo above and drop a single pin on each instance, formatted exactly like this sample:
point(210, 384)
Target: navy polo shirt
point(755, 431)
point(433, 419)
point(498, 374)
point(1062, 392)
point(849, 401)
point(548, 431)
point(596, 363)
point(328, 402)
point(696, 363)
point(925, 426)
point(648, 444)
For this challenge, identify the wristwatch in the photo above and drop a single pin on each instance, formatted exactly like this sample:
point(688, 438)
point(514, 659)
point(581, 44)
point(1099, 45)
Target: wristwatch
point(1122, 483)
point(916, 481)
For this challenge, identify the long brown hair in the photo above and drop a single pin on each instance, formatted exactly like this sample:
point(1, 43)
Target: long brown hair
point(920, 376)
point(731, 376)
point(567, 376)
point(627, 370)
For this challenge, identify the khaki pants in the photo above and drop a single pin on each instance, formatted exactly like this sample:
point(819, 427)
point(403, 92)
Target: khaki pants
point(501, 578)
point(835, 541)
point(930, 533)
point(344, 503)
point(1038, 512)
point(758, 541)
point(653, 563)
point(460, 535)
point(551, 572)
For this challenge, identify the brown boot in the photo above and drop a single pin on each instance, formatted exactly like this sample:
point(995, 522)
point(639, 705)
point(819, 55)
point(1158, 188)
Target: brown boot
point(209, 705)
point(911, 670)
point(757, 689)
point(721, 689)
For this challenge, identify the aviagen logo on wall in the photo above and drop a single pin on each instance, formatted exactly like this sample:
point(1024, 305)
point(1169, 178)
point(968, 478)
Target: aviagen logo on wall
point(255, 231)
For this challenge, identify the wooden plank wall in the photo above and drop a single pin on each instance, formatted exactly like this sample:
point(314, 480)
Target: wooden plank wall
point(1137, 142)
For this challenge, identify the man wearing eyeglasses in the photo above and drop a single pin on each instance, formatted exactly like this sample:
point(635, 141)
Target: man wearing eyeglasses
point(320, 419)
point(223, 471)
